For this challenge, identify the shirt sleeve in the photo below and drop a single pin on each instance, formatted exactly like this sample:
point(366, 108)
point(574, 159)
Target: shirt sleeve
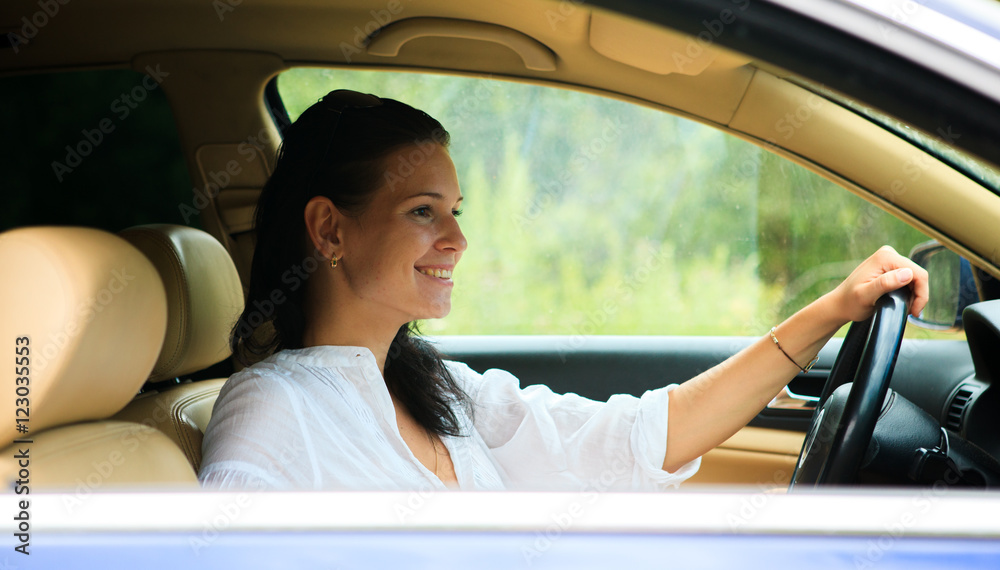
point(544, 440)
point(256, 438)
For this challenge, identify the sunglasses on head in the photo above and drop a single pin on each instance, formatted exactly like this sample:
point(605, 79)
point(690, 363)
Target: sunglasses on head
point(337, 102)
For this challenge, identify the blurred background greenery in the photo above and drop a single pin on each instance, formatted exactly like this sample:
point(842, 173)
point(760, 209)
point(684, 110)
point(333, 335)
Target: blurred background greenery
point(589, 215)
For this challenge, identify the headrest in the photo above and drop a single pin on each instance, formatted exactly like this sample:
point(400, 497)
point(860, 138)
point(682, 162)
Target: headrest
point(204, 295)
point(83, 317)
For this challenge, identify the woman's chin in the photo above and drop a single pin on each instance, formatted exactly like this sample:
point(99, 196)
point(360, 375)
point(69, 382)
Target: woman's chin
point(438, 311)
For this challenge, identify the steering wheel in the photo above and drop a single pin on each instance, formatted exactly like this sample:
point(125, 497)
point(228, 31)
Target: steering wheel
point(852, 397)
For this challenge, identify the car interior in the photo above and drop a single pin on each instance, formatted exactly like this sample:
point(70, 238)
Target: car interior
point(129, 329)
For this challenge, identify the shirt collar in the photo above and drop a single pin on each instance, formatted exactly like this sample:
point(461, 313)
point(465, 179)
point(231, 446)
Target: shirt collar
point(327, 356)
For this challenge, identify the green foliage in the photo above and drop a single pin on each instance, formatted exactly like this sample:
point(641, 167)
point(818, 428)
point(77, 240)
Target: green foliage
point(586, 215)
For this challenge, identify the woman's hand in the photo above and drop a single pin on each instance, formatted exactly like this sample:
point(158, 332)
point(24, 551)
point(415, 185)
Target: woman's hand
point(733, 392)
point(884, 271)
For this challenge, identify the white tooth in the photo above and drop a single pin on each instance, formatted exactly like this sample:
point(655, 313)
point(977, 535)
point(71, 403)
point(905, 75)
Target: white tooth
point(439, 273)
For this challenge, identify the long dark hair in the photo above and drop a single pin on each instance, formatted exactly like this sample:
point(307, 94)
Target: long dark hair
point(343, 158)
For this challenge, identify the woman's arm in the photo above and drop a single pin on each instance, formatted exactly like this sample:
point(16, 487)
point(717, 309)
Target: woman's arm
point(711, 407)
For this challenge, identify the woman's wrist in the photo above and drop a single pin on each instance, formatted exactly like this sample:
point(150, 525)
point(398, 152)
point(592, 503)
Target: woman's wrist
point(815, 323)
point(831, 310)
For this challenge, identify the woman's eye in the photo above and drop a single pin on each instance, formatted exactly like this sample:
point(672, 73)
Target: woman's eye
point(422, 211)
point(456, 213)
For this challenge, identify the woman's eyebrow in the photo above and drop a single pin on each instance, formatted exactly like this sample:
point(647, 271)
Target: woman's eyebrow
point(436, 195)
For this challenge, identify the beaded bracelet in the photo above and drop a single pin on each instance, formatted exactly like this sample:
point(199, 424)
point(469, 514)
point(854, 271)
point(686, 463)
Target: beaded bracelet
point(790, 359)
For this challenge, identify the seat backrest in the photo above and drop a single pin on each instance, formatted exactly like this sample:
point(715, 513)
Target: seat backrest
point(181, 413)
point(204, 299)
point(89, 311)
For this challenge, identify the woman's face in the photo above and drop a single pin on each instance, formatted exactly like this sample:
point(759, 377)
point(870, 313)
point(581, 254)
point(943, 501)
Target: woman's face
point(398, 255)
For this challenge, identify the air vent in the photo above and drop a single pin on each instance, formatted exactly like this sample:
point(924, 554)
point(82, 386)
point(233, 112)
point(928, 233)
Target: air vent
point(956, 409)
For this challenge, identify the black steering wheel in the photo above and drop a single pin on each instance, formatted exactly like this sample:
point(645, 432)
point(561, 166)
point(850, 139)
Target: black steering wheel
point(852, 397)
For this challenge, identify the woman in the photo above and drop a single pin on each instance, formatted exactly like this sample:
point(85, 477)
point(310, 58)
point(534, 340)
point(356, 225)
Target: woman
point(347, 397)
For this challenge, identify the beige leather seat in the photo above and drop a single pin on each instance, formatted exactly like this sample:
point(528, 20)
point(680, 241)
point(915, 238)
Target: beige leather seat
point(91, 311)
point(204, 299)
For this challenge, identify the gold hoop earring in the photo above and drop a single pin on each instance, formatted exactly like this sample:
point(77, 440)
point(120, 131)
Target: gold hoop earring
point(333, 261)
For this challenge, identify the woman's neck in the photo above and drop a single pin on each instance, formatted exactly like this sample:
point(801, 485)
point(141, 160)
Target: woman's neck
point(378, 342)
point(346, 320)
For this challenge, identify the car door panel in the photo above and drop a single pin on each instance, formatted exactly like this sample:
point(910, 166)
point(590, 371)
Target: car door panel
point(754, 456)
point(765, 452)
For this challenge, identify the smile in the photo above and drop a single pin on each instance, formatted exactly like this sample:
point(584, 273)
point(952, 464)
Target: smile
point(439, 273)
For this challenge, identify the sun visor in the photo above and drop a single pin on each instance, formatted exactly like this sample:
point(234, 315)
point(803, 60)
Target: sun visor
point(661, 51)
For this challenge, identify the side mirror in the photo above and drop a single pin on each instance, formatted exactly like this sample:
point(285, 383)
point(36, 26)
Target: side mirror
point(953, 287)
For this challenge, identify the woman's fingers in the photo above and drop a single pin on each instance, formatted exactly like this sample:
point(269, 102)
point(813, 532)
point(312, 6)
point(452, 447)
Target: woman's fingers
point(921, 290)
point(907, 273)
point(903, 276)
point(884, 271)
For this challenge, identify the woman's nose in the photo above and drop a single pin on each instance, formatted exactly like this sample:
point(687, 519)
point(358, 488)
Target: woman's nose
point(453, 238)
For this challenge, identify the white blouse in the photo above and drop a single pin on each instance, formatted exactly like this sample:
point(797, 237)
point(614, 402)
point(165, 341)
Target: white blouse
point(322, 418)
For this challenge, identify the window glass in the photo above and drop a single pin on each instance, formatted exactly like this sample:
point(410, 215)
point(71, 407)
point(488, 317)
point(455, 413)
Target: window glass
point(588, 215)
point(94, 148)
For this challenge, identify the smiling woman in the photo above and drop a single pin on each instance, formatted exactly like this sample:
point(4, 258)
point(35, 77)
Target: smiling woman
point(378, 408)
point(398, 254)
point(388, 239)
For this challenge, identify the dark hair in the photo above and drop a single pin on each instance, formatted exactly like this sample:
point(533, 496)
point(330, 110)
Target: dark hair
point(347, 168)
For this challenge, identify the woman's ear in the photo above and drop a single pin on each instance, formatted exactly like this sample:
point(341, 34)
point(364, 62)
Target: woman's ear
point(323, 223)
